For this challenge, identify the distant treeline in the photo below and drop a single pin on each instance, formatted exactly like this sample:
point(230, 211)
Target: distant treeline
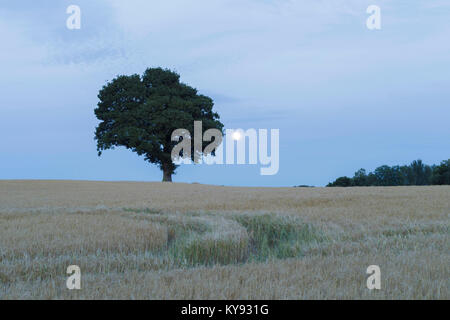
point(416, 174)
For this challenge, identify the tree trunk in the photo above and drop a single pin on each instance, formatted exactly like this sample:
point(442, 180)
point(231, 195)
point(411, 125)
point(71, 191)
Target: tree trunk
point(167, 175)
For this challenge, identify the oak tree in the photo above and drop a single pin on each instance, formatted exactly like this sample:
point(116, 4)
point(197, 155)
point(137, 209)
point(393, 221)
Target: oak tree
point(141, 112)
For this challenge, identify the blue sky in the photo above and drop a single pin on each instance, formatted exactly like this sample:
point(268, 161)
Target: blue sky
point(343, 97)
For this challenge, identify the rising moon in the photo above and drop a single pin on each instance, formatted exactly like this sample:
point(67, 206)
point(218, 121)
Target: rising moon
point(236, 135)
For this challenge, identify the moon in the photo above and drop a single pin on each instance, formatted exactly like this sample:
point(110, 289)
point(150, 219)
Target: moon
point(236, 135)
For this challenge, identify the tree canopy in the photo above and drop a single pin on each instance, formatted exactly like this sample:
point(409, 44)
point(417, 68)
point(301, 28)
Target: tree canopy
point(141, 112)
point(417, 174)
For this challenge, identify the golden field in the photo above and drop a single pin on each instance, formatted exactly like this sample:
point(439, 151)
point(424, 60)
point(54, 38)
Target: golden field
point(136, 240)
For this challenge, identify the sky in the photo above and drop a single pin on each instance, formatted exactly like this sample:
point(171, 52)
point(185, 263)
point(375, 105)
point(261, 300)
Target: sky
point(342, 96)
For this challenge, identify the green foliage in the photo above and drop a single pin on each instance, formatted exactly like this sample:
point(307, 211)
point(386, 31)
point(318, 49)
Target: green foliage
point(360, 178)
point(415, 174)
point(421, 173)
point(141, 112)
point(441, 173)
point(341, 182)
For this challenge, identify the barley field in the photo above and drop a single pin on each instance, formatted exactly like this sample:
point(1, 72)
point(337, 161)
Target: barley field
point(136, 240)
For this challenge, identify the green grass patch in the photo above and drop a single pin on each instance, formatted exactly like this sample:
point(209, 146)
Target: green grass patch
point(209, 251)
point(280, 237)
point(209, 239)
